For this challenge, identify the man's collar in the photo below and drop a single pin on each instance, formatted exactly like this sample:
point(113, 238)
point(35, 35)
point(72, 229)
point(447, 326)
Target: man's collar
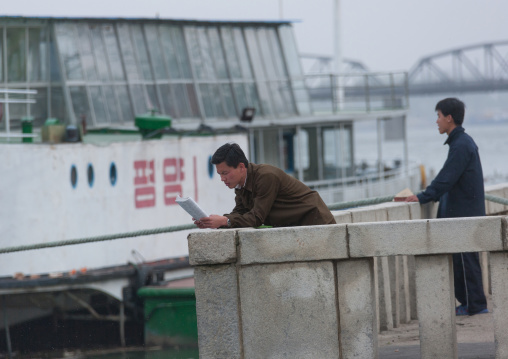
point(453, 134)
point(240, 187)
point(245, 182)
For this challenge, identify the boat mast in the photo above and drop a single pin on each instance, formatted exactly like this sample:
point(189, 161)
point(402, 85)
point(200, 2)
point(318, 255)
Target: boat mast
point(337, 56)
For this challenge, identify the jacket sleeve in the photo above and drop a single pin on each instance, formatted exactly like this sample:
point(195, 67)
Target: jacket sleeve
point(266, 188)
point(455, 165)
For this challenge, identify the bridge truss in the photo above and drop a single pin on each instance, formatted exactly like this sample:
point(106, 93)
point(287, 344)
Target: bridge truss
point(476, 68)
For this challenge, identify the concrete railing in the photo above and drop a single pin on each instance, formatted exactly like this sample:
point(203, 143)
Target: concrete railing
point(326, 291)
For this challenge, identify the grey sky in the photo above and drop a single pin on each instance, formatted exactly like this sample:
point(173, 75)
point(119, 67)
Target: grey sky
point(383, 34)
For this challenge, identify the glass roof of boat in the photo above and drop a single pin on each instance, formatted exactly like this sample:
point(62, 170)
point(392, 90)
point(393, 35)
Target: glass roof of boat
point(101, 72)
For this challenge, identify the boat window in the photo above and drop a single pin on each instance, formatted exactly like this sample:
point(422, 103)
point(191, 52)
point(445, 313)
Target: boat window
point(99, 52)
point(255, 53)
point(347, 149)
point(268, 58)
point(125, 103)
point(138, 99)
point(113, 52)
point(54, 64)
point(243, 56)
point(111, 104)
point(127, 49)
point(57, 103)
point(74, 176)
point(217, 54)
point(252, 96)
point(264, 96)
point(268, 147)
point(210, 96)
point(312, 170)
point(288, 145)
point(231, 54)
point(90, 175)
point(80, 104)
point(16, 55)
point(37, 54)
point(301, 144)
point(199, 52)
point(332, 153)
point(154, 48)
point(227, 97)
point(69, 53)
point(182, 103)
point(112, 174)
point(152, 97)
point(168, 104)
point(39, 109)
point(175, 51)
point(87, 59)
point(140, 51)
point(290, 52)
point(99, 105)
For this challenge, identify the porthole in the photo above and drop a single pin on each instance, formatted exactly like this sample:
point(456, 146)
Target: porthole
point(112, 174)
point(90, 175)
point(210, 167)
point(74, 176)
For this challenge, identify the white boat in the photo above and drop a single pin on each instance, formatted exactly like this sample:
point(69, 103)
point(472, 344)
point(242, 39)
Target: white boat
point(75, 166)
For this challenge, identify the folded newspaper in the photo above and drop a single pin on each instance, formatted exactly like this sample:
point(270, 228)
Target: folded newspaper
point(191, 207)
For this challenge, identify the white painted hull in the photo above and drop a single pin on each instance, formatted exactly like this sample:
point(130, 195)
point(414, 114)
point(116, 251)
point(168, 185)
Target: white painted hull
point(40, 205)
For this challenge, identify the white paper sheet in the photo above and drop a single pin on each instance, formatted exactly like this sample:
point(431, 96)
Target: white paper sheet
point(191, 207)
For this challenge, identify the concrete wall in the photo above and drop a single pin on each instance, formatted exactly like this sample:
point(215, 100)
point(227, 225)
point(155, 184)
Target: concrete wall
point(326, 291)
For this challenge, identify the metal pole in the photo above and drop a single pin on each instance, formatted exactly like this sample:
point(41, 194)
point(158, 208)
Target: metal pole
point(406, 152)
point(6, 325)
point(122, 324)
point(379, 146)
point(337, 60)
point(7, 117)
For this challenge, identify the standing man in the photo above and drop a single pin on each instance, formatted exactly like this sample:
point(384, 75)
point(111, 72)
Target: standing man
point(264, 195)
point(459, 189)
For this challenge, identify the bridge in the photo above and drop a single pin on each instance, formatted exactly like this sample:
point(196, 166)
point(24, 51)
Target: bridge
point(475, 68)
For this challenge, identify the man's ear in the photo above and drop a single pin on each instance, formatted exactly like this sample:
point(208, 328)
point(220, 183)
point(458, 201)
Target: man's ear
point(241, 165)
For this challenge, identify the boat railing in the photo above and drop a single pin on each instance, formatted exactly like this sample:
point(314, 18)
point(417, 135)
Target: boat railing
point(368, 185)
point(364, 92)
point(14, 96)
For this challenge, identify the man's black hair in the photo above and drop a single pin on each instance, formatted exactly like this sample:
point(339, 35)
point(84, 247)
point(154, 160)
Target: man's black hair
point(452, 106)
point(230, 153)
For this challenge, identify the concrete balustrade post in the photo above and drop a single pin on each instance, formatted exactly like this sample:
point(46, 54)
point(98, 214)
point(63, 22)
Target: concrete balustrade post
point(218, 312)
point(289, 310)
point(436, 306)
point(499, 269)
point(385, 297)
point(395, 278)
point(404, 301)
point(357, 309)
point(411, 268)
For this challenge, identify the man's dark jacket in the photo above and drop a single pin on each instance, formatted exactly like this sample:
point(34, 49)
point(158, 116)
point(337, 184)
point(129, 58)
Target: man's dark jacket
point(459, 185)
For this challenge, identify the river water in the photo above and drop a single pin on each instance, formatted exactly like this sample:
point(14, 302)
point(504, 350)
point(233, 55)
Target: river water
point(486, 121)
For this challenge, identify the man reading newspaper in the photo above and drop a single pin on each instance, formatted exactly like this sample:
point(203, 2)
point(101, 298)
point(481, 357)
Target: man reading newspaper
point(265, 195)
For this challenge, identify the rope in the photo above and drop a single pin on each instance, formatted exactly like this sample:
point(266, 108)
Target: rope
point(496, 199)
point(358, 203)
point(183, 227)
point(98, 238)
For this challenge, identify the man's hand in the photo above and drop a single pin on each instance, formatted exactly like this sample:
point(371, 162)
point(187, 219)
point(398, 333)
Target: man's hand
point(412, 198)
point(213, 221)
